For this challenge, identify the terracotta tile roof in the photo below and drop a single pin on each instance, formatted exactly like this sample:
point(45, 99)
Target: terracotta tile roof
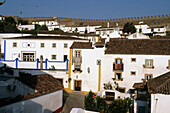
point(160, 37)
point(140, 85)
point(42, 83)
point(47, 38)
point(82, 45)
point(138, 46)
point(67, 33)
point(160, 84)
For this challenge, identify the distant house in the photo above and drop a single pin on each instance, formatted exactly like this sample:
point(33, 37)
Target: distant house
point(137, 35)
point(26, 27)
point(32, 94)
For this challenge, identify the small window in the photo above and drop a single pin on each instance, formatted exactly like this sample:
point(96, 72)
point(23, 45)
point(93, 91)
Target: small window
point(53, 45)
point(122, 90)
point(133, 59)
point(77, 53)
point(118, 76)
point(148, 76)
point(77, 67)
point(149, 63)
point(65, 58)
point(65, 45)
point(140, 30)
point(14, 44)
point(53, 57)
point(133, 73)
point(42, 45)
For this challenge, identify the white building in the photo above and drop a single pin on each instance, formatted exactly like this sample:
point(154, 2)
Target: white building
point(143, 28)
point(29, 94)
point(50, 23)
point(80, 29)
point(124, 62)
point(26, 27)
point(137, 35)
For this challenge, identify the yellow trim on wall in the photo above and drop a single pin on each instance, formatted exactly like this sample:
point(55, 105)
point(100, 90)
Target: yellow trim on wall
point(69, 69)
point(98, 39)
point(99, 77)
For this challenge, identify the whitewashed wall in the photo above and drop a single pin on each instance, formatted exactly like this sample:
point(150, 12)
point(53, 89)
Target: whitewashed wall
point(42, 104)
point(160, 63)
point(145, 28)
point(47, 51)
point(89, 60)
point(160, 103)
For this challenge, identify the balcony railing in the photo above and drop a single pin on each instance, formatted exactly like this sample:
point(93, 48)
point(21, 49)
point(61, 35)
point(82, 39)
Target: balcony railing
point(118, 67)
point(77, 60)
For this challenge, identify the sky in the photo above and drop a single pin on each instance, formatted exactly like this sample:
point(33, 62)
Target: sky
point(86, 9)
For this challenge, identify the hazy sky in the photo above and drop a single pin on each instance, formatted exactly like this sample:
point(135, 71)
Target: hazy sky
point(95, 9)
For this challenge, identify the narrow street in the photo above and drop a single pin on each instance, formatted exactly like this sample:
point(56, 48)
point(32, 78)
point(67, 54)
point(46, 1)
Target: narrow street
point(73, 100)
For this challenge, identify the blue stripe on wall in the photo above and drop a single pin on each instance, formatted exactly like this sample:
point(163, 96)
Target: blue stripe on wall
point(4, 49)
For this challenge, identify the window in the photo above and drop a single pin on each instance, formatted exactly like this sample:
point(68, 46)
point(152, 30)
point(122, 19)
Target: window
point(42, 45)
point(65, 45)
point(28, 57)
point(133, 73)
point(118, 61)
point(140, 30)
point(148, 76)
point(133, 59)
point(121, 89)
point(53, 57)
point(77, 53)
point(77, 67)
point(14, 44)
point(149, 63)
point(118, 76)
point(53, 45)
point(65, 58)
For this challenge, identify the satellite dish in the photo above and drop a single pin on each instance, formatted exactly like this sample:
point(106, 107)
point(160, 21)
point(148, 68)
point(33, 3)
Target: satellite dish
point(2, 2)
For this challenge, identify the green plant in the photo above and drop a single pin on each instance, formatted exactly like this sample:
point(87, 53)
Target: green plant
point(120, 106)
point(89, 102)
point(108, 86)
point(129, 28)
point(101, 104)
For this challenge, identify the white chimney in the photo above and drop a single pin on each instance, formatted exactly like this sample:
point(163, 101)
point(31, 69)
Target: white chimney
point(107, 24)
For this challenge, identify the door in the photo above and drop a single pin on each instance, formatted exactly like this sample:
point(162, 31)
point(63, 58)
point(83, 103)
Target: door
point(77, 85)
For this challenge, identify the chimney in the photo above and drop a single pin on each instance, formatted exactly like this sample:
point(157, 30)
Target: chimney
point(107, 24)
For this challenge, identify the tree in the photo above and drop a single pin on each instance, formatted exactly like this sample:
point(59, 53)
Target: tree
point(10, 28)
point(22, 22)
point(43, 27)
point(129, 28)
point(10, 20)
point(89, 102)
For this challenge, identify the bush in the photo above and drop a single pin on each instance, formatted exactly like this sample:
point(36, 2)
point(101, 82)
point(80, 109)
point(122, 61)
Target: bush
point(98, 104)
point(120, 106)
point(90, 103)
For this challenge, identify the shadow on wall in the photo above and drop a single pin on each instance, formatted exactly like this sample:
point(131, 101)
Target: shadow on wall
point(19, 103)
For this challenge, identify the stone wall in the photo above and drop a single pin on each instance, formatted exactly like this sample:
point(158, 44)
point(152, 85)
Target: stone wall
point(150, 20)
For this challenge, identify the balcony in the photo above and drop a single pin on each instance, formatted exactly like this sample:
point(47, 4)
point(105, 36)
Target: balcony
point(77, 60)
point(118, 67)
